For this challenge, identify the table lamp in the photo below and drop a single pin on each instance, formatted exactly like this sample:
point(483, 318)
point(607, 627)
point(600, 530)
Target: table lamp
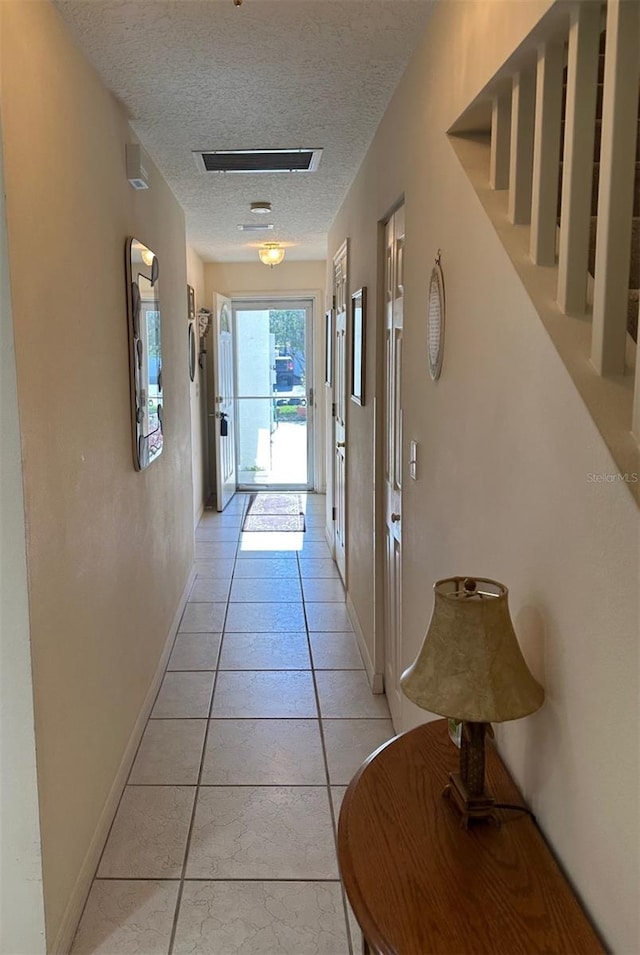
point(470, 668)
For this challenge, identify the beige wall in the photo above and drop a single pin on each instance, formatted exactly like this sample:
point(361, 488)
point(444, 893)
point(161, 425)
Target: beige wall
point(195, 278)
point(109, 549)
point(230, 278)
point(21, 899)
point(506, 448)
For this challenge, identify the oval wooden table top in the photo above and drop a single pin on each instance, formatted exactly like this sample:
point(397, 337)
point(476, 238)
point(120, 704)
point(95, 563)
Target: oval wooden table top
point(419, 884)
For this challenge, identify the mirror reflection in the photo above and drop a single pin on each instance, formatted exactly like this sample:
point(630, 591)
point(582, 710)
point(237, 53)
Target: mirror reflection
point(145, 352)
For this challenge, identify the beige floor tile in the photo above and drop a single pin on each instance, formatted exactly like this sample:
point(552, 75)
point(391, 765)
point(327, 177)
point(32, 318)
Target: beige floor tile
point(252, 551)
point(328, 616)
point(276, 541)
point(210, 533)
point(202, 618)
point(315, 518)
point(335, 651)
point(263, 753)
point(277, 832)
point(346, 694)
point(214, 519)
point(210, 589)
point(315, 549)
point(124, 917)
point(266, 567)
point(349, 742)
point(170, 753)
point(184, 695)
point(317, 567)
point(266, 589)
point(216, 569)
point(149, 835)
point(195, 651)
point(314, 532)
point(354, 930)
point(265, 651)
point(264, 694)
point(337, 795)
point(264, 618)
point(322, 589)
point(261, 918)
point(215, 550)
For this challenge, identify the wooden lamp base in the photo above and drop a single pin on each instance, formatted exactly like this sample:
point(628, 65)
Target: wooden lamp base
point(466, 788)
point(471, 808)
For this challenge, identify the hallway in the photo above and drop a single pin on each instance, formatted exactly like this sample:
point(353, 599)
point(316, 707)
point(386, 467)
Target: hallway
point(224, 841)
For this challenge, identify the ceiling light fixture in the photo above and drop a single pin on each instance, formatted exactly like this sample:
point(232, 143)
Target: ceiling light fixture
point(237, 3)
point(260, 208)
point(271, 254)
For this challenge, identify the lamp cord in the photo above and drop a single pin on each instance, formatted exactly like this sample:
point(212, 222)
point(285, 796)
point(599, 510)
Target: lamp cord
point(514, 808)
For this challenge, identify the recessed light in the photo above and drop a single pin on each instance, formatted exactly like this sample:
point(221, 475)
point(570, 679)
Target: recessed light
point(260, 208)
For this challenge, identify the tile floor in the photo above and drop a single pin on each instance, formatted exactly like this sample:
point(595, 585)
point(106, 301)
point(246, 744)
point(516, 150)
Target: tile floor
point(224, 840)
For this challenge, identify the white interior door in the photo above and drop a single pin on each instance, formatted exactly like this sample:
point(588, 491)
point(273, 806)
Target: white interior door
point(394, 301)
point(340, 403)
point(224, 403)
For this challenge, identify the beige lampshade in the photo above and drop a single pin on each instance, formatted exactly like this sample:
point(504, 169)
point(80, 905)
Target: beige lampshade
point(470, 666)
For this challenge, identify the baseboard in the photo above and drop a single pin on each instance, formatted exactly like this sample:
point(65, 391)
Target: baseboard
point(198, 516)
point(376, 680)
point(75, 906)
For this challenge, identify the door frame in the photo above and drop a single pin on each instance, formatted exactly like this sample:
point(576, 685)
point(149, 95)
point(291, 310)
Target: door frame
point(379, 661)
point(317, 481)
point(300, 302)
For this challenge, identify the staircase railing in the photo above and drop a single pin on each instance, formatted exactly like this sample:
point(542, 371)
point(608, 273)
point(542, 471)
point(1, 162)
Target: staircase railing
point(564, 146)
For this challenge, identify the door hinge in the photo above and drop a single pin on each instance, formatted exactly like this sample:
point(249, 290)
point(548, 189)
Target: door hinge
point(333, 513)
point(333, 409)
point(311, 397)
point(334, 301)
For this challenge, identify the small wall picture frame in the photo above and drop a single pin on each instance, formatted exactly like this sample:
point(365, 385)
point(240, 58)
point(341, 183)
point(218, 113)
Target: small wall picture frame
point(328, 347)
point(191, 303)
point(358, 336)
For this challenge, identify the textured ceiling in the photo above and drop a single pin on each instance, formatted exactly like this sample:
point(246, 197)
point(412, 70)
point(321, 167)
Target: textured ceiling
point(203, 74)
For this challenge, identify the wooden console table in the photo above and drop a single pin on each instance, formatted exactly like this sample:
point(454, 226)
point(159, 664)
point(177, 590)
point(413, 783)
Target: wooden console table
point(419, 884)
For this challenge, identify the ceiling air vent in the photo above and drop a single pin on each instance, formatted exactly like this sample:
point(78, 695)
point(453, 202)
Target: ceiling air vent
point(256, 227)
point(257, 160)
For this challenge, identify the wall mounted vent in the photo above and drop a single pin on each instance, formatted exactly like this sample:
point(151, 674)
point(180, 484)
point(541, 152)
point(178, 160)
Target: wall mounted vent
point(257, 160)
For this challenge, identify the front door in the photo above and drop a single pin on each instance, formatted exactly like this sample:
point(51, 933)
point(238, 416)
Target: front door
point(274, 396)
point(394, 302)
point(340, 403)
point(222, 411)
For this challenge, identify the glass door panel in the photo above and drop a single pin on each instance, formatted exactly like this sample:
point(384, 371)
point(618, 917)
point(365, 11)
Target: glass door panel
point(273, 376)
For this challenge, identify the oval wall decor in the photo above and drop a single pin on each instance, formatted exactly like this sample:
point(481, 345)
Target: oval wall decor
point(435, 320)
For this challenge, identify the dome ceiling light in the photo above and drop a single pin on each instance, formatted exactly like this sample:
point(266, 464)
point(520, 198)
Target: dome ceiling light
point(260, 208)
point(271, 254)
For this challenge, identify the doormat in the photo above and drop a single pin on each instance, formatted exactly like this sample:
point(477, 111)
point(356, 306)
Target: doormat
point(274, 512)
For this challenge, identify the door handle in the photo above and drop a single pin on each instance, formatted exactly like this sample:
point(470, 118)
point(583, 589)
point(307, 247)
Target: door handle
point(395, 518)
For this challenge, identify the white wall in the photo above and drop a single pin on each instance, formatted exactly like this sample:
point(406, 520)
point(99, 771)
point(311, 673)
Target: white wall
point(506, 447)
point(21, 898)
